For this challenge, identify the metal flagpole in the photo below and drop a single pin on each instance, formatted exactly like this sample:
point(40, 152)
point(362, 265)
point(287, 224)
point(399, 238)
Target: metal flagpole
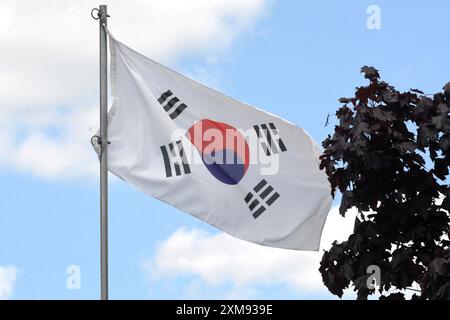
point(103, 16)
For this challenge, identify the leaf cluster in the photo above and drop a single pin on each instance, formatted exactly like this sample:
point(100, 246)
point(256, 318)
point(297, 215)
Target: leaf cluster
point(389, 156)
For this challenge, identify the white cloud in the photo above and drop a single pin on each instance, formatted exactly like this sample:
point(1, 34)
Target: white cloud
point(8, 276)
point(53, 144)
point(236, 267)
point(49, 71)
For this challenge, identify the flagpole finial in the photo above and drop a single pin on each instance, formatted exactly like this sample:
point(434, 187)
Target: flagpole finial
point(102, 13)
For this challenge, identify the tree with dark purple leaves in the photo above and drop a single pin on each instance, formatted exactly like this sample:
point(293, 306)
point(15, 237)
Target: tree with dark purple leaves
point(389, 157)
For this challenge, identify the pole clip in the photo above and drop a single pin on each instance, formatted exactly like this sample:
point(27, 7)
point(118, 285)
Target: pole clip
point(95, 13)
point(99, 140)
point(98, 144)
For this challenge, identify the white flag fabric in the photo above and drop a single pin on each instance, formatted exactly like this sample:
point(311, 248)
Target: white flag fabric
point(236, 167)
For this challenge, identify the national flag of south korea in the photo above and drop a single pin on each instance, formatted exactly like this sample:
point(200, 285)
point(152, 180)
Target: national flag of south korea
point(239, 168)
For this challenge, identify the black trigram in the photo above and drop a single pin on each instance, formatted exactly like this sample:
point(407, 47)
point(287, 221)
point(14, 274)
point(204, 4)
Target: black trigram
point(171, 104)
point(175, 161)
point(263, 193)
point(269, 138)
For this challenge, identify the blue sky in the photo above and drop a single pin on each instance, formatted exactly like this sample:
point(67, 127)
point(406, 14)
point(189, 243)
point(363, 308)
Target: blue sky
point(291, 58)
